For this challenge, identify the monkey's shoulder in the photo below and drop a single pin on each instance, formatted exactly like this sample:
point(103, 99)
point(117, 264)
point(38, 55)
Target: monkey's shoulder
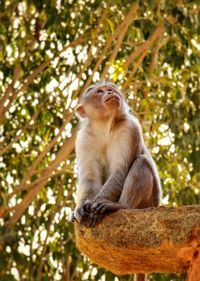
point(132, 125)
point(133, 120)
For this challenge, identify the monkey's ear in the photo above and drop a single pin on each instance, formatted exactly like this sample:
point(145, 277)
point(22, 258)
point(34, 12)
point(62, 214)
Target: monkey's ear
point(80, 110)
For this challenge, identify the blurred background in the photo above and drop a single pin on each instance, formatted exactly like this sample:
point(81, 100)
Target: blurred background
point(50, 51)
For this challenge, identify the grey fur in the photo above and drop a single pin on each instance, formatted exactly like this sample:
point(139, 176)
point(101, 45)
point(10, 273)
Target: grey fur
point(115, 168)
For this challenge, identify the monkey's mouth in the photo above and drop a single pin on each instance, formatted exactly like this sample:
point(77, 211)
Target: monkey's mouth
point(113, 97)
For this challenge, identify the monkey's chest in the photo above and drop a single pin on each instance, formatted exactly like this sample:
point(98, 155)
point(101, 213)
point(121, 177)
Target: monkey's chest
point(105, 155)
point(109, 149)
point(102, 155)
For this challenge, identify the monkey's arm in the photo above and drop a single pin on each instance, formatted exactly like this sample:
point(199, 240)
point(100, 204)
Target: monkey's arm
point(87, 190)
point(88, 174)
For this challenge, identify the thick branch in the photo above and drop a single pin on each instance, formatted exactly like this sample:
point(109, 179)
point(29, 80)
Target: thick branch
point(164, 239)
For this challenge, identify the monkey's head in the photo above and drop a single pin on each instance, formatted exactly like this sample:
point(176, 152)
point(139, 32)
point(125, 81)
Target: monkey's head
point(100, 101)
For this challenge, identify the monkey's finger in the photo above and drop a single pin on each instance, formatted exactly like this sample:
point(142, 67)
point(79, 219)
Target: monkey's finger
point(84, 221)
point(86, 207)
point(103, 210)
point(100, 208)
point(88, 219)
point(96, 220)
point(72, 218)
point(81, 212)
point(95, 206)
point(91, 222)
point(100, 218)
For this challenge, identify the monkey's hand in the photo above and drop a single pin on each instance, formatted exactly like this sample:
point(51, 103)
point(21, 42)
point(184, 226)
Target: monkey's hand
point(86, 216)
point(82, 211)
point(92, 219)
point(102, 205)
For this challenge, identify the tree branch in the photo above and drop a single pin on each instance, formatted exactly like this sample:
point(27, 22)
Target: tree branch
point(126, 22)
point(105, 49)
point(62, 154)
point(29, 78)
point(32, 169)
point(163, 239)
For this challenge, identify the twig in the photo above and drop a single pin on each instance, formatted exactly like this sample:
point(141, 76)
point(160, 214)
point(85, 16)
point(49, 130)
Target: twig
point(29, 78)
point(23, 129)
point(144, 48)
point(62, 154)
point(48, 147)
point(46, 172)
point(57, 207)
point(104, 51)
point(126, 22)
point(154, 58)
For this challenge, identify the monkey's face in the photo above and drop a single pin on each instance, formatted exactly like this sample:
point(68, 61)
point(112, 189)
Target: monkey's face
point(100, 101)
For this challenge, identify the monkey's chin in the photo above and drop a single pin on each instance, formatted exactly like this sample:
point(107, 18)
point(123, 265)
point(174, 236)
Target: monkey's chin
point(112, 103)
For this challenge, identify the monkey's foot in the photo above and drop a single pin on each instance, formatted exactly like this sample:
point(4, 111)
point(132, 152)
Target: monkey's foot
point(92, 219)
point(103, 206)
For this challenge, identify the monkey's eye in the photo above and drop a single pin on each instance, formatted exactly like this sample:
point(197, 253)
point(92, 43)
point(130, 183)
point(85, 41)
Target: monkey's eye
point(109, 91)
point(99, 91)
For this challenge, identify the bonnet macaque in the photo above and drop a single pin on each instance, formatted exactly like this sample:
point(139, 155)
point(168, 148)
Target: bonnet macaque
point(115, 168)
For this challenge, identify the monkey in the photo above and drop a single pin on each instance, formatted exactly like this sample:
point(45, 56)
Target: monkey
point(115, 168)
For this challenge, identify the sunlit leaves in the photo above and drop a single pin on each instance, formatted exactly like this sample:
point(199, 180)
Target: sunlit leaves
point(163, 93)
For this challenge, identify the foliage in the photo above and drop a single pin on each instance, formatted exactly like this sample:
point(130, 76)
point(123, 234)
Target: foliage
point(50, 51)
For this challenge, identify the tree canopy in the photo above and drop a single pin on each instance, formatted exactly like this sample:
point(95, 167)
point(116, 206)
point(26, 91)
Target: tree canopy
point(50, 52)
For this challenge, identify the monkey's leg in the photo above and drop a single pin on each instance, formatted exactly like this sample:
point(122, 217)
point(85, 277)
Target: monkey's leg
point(138, 190)
point(138, 186)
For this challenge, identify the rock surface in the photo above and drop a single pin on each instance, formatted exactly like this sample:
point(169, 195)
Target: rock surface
point(163, 239)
